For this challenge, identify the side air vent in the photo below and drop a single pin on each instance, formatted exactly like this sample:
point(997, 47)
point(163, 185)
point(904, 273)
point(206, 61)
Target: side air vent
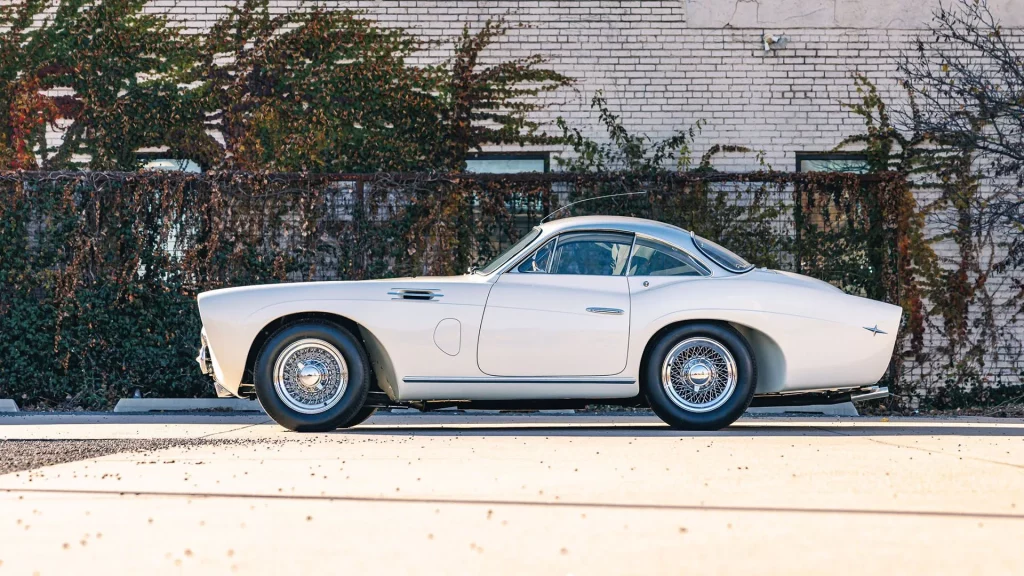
point(415, 294)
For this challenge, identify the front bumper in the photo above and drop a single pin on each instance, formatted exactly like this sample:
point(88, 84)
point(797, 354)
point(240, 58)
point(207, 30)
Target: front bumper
point(205, 361)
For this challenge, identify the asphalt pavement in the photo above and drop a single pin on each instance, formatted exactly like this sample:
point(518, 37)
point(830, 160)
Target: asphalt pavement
point(509, 494)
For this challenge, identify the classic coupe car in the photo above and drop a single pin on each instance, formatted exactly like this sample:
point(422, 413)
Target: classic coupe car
point(581, 310)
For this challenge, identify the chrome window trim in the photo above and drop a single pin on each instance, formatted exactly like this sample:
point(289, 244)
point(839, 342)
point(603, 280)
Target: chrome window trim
point(708, 270)
point(693, 238)
point(629, 259)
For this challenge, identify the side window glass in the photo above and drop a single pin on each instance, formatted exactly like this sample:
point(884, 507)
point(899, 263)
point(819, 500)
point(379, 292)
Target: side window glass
point(656, 259)
point(539, 261)
point(592, 254)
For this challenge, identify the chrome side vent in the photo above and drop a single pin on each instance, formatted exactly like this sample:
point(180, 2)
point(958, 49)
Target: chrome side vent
point(415, 294)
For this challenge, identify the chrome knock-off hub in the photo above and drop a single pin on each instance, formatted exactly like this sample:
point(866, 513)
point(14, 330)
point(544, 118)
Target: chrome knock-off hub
point(699, 374)
point(310, 376)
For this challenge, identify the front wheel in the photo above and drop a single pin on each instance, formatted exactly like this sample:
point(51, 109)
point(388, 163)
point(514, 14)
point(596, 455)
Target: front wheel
point(312, 376)
point(700, 376)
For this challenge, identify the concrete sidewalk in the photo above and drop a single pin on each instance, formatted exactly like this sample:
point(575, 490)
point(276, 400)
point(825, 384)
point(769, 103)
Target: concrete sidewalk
point(514, 494)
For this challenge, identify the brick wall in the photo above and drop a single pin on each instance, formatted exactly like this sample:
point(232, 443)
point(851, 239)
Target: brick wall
point(658, 73)
point(661, 74)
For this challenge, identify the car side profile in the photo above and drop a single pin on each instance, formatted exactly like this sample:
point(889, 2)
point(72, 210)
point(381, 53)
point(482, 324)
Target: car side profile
point(593, 309)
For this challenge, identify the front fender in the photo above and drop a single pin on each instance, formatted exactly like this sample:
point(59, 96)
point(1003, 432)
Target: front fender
point(231, 332)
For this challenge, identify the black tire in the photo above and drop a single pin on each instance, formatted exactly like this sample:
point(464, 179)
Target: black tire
point(362, 416)
point(730, 409)
point(342, 410)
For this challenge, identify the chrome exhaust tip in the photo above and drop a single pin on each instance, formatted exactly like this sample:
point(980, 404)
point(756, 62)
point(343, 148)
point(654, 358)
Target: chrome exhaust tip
point(869, 393)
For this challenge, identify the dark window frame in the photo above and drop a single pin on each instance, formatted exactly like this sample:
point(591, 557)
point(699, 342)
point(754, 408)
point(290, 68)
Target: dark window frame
point(801, 156)
point(545, 156)
point(144, 157)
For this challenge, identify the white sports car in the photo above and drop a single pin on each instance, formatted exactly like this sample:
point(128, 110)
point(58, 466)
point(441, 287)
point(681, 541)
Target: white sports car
point(581, 310)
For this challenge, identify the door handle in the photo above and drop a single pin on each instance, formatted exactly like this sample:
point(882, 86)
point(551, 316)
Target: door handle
point(597, 310)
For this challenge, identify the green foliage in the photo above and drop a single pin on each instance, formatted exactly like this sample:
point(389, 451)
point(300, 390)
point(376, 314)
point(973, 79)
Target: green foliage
point(24, 112)
point(100, 270)
point(949, 297)
point(623, 150)
point(320, 91)
point(311, 90)
point(124, 69)
point(493, 104)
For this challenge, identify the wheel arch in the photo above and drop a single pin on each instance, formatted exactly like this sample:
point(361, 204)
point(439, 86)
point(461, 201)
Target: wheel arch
point(370, 344)
point(771, 361)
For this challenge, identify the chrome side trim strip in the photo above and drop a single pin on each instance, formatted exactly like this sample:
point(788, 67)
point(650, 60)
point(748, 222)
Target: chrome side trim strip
point(518, 380)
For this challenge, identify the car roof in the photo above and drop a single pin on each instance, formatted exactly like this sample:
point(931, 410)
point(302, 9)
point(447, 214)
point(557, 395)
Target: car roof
point(623, 223)
point(672, 235)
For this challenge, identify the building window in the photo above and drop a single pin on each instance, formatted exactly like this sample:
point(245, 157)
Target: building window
point(157, 159)
point(832, 162)
point(171, 164)
point(507, 163)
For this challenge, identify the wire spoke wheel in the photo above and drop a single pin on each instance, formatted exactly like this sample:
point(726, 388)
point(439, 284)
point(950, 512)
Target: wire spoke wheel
point(310, 376)
point(699, 374)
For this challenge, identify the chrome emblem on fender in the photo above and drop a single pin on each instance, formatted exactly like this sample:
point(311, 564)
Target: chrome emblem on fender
point(874, 330)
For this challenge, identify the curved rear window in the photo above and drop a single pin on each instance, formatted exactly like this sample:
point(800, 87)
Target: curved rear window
point(721, 256)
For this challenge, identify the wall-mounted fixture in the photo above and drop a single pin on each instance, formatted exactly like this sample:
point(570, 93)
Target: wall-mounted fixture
point(774, 41)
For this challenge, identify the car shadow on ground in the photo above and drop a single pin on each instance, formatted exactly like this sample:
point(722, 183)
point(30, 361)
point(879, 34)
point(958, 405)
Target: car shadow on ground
point(655, 430)
point(579, 425)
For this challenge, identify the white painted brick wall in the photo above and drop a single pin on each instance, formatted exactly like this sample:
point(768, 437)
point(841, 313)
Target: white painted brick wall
point(659, 74)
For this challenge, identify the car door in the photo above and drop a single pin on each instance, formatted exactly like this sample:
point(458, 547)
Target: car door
point(563, 311)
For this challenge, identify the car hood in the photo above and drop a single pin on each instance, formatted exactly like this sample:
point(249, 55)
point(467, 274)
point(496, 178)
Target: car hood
point(466, 289)
point(334, 286)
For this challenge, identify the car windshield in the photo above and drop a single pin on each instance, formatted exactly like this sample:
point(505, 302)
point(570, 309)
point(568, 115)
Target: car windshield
point(721, 256)
point(508, 254)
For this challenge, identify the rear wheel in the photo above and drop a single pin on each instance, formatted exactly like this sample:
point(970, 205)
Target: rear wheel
point(700, 376)
point(312, 376)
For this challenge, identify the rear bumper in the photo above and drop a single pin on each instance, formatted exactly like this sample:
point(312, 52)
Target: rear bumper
point(869, 393)
point(813, 398)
